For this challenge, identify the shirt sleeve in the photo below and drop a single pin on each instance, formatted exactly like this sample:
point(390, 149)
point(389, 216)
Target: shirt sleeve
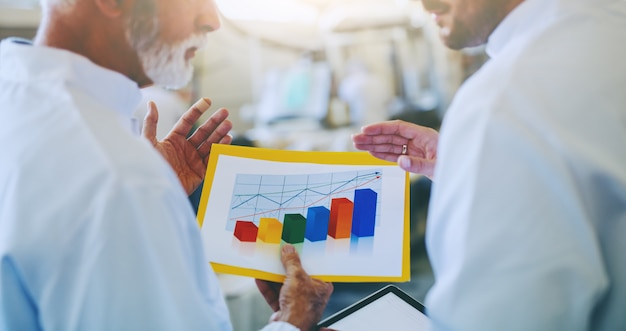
point(134, 261)
point(280, 326)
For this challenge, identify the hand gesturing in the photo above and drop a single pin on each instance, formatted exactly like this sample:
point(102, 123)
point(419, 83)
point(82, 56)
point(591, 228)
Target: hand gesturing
point(188, 156)
point(414, 147)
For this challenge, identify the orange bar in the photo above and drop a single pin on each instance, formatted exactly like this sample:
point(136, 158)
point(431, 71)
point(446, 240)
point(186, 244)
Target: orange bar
point(270, 230)
point(340, 223)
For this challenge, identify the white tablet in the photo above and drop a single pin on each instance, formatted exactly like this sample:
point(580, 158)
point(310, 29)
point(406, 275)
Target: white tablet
point(389, 308)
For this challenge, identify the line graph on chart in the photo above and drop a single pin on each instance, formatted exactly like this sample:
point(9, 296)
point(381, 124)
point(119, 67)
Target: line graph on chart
point(257, 196)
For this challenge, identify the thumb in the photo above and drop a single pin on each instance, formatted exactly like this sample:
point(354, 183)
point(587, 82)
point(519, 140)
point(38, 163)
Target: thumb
point(417, 165)
point(290, 259)
point(150, 123)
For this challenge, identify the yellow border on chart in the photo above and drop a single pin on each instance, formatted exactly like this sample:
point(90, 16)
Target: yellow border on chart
point(341, 158)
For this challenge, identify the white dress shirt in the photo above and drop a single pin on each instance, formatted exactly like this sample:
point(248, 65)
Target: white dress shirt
point(527, 222)
point(96, 232)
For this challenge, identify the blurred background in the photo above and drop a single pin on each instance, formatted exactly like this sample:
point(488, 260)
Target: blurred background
point(305, 75)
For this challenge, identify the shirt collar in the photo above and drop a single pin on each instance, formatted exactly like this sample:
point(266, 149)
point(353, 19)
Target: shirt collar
point(112, 89)
point(527, 16)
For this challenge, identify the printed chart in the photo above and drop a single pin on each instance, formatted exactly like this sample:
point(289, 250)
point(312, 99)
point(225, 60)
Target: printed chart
point(346, 213)
point(295, 208)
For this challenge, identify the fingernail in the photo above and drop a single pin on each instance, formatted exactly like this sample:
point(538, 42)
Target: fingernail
point(202, 105)
point(288, 249)
point(404, 162)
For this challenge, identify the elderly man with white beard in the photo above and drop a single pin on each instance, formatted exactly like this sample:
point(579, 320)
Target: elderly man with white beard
point(96, 232)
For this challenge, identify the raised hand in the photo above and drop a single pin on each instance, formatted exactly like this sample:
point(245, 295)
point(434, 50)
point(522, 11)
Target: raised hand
point(300, 300)
point(188, 156)
point(412, 146)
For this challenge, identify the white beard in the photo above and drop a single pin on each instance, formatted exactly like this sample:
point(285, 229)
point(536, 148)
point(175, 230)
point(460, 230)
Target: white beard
point(166, 65)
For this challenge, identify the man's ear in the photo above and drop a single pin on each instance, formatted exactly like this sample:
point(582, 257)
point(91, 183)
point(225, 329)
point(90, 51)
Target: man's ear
point(113, 8)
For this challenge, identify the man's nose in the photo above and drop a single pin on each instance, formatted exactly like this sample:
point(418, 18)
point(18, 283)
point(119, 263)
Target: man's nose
point(208, 18)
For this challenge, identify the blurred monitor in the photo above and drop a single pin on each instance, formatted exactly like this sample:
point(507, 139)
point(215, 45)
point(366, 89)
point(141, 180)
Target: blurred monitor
point(299, 92)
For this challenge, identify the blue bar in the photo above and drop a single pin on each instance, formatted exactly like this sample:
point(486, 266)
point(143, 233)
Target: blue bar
point(317, 223)
point(364, 216)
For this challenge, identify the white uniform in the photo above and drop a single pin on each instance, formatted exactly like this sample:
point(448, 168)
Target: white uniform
point(527, 225)
point(96, 232)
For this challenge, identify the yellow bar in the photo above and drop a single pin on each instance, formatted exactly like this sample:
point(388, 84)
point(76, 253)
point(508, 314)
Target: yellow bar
point(270, 230)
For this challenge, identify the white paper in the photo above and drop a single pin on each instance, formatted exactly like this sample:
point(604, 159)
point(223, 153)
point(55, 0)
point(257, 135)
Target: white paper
point(287, 187)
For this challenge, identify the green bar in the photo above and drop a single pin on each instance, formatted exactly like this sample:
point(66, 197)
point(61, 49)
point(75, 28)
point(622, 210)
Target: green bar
point(294, 228)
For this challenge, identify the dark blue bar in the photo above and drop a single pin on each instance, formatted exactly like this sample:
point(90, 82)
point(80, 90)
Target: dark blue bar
point(317, 223)
point(364, 215)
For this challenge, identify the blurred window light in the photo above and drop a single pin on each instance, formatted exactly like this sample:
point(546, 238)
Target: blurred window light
point(274, 11)
point(19, 3)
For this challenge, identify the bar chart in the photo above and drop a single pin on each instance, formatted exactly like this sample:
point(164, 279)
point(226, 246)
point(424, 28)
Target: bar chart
point(345, 213)
point(312, 207)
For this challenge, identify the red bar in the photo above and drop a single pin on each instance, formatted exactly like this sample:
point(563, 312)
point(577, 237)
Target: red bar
point(246, 231)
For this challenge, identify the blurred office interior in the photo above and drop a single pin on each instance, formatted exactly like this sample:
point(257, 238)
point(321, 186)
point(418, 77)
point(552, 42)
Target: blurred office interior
point(305, 75)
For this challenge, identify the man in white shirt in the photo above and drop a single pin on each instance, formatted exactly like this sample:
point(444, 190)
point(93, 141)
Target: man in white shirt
point(527, 217)
point(96, 232)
